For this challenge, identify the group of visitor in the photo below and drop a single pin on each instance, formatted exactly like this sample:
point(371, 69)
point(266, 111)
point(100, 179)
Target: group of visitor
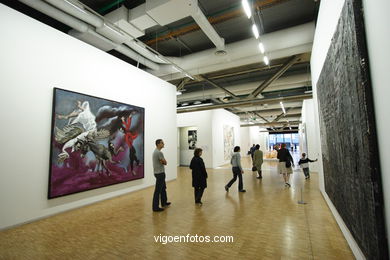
point(199, 173)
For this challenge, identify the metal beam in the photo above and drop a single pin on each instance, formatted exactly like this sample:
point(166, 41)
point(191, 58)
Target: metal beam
point(252, 102)
point(257, 114)
point(272, 124)
point(274, 77)
point(281, 115)
point(264, 110)
point(218, 86)
point(182, 84)
point(279, 131)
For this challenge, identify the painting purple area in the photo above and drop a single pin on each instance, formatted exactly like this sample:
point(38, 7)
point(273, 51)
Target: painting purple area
point(95, 143)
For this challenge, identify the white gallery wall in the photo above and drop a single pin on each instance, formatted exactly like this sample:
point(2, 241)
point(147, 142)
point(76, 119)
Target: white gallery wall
point(245, 143)
point(220, 118)
point(378, 40)
point(34, 59)
point(202, 121)
point(209, 125)
point(311, 136)
point(186, 153)
point(377, 22)
point(253, 135)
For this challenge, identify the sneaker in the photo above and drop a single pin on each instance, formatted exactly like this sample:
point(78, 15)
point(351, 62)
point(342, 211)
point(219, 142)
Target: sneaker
point(242, 190)
point(288, 184)
point(226, 188)
point(158, 210)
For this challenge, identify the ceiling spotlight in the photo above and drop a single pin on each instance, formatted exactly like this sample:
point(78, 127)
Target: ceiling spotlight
point(184, 104)
point(266, 60)
point(255, 31)
point(247, 8)
point(197, 102)
point(178, 93)
point(261, 47)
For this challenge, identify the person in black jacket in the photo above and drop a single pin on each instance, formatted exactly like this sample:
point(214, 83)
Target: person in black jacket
point(199, 175)
point(304, 163)
point(285, 164)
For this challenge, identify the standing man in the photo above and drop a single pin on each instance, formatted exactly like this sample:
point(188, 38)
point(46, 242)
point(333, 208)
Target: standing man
point(159, 163)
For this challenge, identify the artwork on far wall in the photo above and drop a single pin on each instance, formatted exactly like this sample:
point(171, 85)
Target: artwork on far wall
point(95, 142)
point(228, 141)
point(192, 139)
point(348, 135)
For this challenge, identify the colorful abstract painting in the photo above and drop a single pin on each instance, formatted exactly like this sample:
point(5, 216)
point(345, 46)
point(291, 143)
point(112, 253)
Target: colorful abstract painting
point(95, 142)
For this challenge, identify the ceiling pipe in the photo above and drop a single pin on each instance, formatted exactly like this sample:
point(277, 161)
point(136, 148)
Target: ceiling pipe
point(105, 44)
point(56, 14)
point(73, 15)
point(78, 11)
point(253, 102)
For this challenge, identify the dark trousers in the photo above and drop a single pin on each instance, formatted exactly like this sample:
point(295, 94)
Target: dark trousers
point(306, 172)
point(160, 192)
point(133, 157)
point(236, 173)
point(198, 192)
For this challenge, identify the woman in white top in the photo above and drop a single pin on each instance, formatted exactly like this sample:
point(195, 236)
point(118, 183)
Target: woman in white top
point(237, 170)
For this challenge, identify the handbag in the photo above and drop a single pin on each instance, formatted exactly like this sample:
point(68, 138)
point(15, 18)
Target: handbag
point(254, 169)
point(288, 164)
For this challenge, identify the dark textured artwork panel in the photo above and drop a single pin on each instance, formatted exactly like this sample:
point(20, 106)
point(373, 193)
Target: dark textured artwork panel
point(349, 145)
point(95, 142)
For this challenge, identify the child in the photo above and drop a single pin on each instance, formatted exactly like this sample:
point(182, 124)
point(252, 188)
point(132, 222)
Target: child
point(304, 163)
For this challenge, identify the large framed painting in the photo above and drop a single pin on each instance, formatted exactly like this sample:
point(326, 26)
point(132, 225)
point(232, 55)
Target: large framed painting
point(95, 142)
point(228, 141)
point(349, 144)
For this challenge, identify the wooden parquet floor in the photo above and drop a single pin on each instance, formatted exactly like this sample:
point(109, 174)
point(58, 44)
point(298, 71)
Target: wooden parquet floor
point(266, 222)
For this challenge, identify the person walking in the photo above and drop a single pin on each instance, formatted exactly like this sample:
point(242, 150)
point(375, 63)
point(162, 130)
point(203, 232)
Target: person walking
point(252, 150)
point(285, 163)
point(159, 163)
point(199, 175)
point(304, 163)
point(237, 170)
point(258, 160)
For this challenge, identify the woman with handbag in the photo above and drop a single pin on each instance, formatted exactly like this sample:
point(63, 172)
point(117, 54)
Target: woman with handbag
point(285, 164)
point(258, 161)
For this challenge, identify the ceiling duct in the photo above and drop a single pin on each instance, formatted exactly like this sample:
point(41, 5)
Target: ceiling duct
point(280, 44)
point(77, 17)
point(161, 12)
